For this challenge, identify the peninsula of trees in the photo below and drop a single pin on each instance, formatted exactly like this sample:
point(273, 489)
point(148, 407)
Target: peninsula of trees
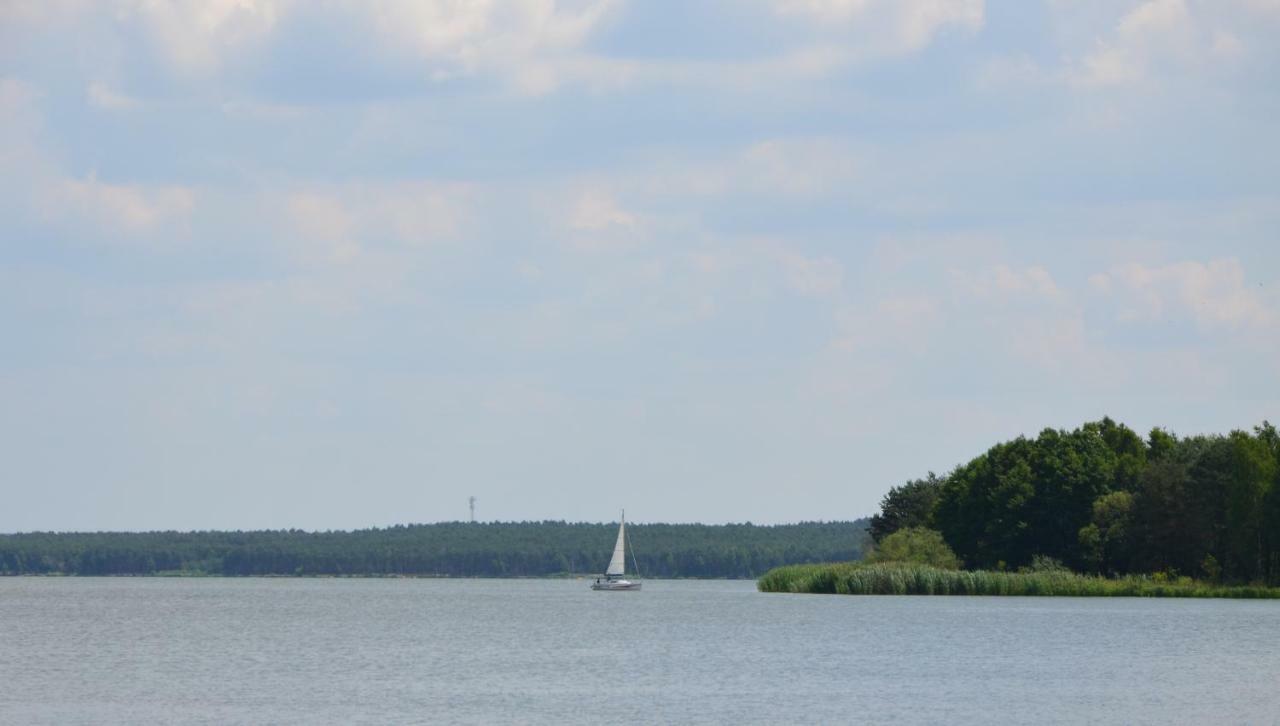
point(451, 549)
point(1097, 510)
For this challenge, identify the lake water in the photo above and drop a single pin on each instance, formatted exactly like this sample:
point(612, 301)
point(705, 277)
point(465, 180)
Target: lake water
point(219, 651)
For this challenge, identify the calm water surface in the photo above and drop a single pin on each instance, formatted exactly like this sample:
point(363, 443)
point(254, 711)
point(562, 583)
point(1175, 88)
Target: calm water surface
point(88, 650)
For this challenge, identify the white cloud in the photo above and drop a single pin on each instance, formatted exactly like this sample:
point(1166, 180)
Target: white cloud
point(892, 26)
point(1226, 44)
point(1262, 6)
point(102, 96)
point(595, 209)
point(1004, 71)
point(1061, 346)
point(534, 46)
point(800, 168)
point(19, 123)
point(596, 222)
point(818, 58)
point(796, 167)
point(53, 196)
point(529, 42)
point(1214, 294)
point(129, 208)
point(336, 224)
point(1154, 28)
point(812, 276)
point(199, 36)
point(256, 110)
point(1108, 44)
point(538, 46)
point(1170, 38)
point(323, 221)
point(892, 323)
point(37, 12)
point(1002, 282)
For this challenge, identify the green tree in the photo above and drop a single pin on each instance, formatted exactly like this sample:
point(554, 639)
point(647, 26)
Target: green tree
point(1129, 450)
point(984, 507)
point(1027, 497)
point(917, 545)
point(1162, 516)
point(909, 505)
point(447, 548)
point(1253, 471)
point(1105, 540)
point(1070, 470)
point(1269, 541)
point(1160, 444)
point(1180, 509)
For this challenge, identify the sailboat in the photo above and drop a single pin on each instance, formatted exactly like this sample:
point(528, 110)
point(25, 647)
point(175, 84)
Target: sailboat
point(613, 575)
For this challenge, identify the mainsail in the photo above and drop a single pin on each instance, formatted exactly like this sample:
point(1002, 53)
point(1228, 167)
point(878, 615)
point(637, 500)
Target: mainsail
point(613, 579)
point(618, 564)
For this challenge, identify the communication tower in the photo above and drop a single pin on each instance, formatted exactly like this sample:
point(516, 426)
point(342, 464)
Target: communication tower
point(473, 510)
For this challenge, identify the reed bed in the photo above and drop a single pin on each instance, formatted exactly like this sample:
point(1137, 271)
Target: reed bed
point(894, 578)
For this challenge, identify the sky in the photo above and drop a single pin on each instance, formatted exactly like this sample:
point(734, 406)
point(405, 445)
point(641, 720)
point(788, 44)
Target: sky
point(345, 263)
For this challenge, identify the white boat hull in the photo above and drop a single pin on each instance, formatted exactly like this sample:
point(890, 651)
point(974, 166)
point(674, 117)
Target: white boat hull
point(615, 585)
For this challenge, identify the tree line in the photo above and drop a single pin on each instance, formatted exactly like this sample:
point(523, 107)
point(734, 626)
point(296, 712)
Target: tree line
point(449, 549)
point(1103, 499)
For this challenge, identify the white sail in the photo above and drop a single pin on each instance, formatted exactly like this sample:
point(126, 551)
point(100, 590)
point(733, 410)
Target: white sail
point(618, 564)
point(613, 580)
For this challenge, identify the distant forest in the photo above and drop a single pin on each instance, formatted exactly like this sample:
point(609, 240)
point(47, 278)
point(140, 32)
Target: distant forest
point(451, 549)
point(1102, 499)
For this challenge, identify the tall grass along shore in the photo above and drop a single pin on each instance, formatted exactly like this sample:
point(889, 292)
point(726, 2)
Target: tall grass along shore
point(893, 578)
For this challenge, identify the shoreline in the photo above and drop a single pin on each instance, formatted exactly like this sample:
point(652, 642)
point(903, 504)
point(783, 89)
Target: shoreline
point(217, 576)
point(910, 579)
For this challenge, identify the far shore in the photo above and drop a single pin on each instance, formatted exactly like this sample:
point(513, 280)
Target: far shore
point(331, 576)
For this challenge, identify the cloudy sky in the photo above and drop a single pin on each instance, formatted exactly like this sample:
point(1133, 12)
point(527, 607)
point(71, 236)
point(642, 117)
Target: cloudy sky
point(332, 264)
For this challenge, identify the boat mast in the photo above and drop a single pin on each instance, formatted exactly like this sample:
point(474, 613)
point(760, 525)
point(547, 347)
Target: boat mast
point(634, 563)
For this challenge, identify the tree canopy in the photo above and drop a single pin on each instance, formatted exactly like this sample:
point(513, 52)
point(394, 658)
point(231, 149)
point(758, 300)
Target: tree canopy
point(456, 549)
point(909, 505)
point(1102, 499)
point(917, 545)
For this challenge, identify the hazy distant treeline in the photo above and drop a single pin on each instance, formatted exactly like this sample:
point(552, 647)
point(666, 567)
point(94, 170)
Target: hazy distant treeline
point(1103, 499)
point(455, 549)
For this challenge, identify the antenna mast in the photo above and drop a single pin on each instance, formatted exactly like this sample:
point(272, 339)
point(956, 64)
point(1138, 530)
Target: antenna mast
point(472, 500)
